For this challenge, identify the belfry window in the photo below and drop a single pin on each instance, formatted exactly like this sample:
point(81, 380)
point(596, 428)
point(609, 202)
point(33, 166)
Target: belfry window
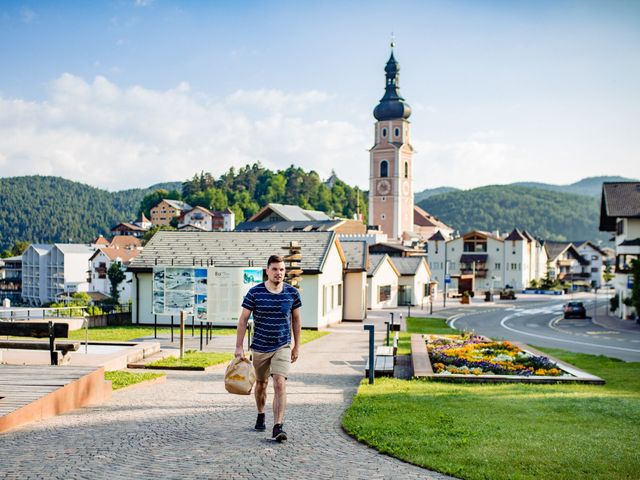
point(406, 169)
point(384, 168)
point(397, 132)
point(384, 132)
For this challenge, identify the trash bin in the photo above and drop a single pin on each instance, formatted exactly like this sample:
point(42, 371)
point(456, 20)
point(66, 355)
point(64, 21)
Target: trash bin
point(487, 296)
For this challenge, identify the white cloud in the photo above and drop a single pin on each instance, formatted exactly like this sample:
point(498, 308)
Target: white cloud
point(105, 135)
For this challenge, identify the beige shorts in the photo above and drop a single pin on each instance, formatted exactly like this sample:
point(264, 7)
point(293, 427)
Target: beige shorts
point(277, 362)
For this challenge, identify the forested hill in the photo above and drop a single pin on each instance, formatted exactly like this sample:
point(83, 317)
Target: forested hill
point(53, 209)
point(546, 214)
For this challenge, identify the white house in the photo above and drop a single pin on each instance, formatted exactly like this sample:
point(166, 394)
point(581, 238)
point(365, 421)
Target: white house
point(620, 214)
point(566, 263)
point(207, 220)
point(413, 283)
point(101, 261)
point(597, 259)
point(321, 286)
point(484, 261)
point(382, 283)
point(54, 271)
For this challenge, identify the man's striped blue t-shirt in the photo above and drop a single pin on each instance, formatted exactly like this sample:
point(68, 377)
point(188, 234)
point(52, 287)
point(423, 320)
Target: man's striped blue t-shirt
point(271, 316)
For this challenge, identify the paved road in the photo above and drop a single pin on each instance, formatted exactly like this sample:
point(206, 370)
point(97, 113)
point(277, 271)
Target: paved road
point(541, 323)
point(189, 427)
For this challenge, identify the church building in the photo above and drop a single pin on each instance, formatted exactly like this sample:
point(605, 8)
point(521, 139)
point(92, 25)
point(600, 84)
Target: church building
point(391, 160)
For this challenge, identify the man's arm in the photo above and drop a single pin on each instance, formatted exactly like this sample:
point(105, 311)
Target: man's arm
point(296, 325)
point(242, 329)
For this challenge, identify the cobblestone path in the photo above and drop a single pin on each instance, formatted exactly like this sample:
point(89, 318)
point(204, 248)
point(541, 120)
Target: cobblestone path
point(189, 427)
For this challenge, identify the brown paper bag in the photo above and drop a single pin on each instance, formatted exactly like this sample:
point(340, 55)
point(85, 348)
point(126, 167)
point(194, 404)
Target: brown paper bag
point(239, 377)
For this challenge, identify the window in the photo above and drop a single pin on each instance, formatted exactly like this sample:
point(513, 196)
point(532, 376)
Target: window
point(384, 168)
point(397, 132)
point(406, 169)
point(384, 132)
point(514, 266)
point(384, 293)
point(383, 216)
point(594, 269)
point(498, 266)
point(620, 227)
point(339, 294)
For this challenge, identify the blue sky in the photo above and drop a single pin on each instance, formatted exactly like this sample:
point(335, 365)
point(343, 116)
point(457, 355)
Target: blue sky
point(123, 94)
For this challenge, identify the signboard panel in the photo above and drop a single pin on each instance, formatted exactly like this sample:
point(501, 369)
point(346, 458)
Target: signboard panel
point(179, 289)
point(226, 288)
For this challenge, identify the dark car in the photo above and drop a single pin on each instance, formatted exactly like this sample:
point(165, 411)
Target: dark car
point(574, 309)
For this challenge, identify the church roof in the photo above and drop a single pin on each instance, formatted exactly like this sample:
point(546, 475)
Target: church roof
point(392, 106)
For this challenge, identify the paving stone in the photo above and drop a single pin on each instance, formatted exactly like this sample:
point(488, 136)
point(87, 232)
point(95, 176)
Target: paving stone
point(190, 427)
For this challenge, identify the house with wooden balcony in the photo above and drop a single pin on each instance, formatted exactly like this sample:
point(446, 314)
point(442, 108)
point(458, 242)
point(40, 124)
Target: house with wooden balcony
point(567, 264)
point(620, 215)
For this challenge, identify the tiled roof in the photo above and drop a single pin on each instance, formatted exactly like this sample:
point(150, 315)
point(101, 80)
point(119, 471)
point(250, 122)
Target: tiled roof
point(619, 200)
point(130, 226)
point(376, 261)
point(125, 255)
point(555, 248)
point(74, 248)
point(231, 249)
point(100, 241)
point(355, 254)
point(407, 265)
point(425, 219)
point(436, 236)
point(289, 226)
point(124, 241)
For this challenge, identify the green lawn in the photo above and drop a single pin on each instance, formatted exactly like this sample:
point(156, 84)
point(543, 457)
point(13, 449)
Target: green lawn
point(129, 332)
point(421, 325)
point(194, 360)
point(508, 431)
point(122, 378)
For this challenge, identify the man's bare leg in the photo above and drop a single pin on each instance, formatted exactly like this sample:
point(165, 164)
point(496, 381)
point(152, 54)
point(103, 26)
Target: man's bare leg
point(261, 394)
point(279, 398)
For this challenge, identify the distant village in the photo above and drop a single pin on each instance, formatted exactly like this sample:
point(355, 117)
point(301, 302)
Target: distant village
point(402, 256)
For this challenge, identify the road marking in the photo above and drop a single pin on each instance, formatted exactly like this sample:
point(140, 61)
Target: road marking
point(509, 317)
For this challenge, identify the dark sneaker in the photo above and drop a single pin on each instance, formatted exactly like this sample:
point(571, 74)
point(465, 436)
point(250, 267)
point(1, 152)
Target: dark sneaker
point(260, 425)
point(279, 435)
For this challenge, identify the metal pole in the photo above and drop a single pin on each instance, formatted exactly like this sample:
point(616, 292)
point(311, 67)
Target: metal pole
point(430, 306)
point(155, 325)
point(193, 325)
point(172, 326)
point(201, 336)
point(371, 329)
point(408, 310)
point(182, 314)
point(387, 324)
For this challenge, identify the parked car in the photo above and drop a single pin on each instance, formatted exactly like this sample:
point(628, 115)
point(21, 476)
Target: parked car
point(574, 309)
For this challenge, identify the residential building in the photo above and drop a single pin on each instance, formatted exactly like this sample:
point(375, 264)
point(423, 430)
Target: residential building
point(275, 212)
point(166, 210)
point(382, 282)
point(395, 249)
point(11, 279)
point(597, 259)
point(391, 160)
point(620, 215)
point(566, 264)
point(414, 280)
point(340, 226)
point(485, 261)
point(355, 280)
point(322, 264)
point(207, 220)
point(53, 272)
point(128, 229)
point(99, 264)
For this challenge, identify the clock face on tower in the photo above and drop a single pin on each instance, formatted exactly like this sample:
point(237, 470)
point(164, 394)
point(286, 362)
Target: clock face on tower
point(383, 187)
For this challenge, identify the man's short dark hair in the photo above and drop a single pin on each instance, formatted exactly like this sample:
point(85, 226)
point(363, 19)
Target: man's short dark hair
point(275, 259)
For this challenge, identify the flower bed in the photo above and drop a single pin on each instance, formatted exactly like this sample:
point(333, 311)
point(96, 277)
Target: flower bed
point(477, 355)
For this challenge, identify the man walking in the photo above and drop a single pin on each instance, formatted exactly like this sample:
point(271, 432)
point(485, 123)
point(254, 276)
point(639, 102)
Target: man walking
point(276, 309)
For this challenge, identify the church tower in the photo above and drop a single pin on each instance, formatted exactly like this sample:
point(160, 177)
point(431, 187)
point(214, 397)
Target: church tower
point(391, 160)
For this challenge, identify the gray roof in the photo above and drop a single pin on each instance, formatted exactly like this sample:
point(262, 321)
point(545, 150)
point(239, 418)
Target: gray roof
point(296, 213)
point(407, 265)
point(375, 262)
point(75, 248)
point(289, 226)
point(179, 204)
point(555, 248)
point(41, 248)
point(355, 253)
point(619, 200)
point(231, 249)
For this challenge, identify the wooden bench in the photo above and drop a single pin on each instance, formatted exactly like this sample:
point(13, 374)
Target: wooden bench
point(384, 362)
point(49, 330)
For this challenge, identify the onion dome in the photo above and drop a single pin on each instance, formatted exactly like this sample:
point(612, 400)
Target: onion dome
point(392, 106)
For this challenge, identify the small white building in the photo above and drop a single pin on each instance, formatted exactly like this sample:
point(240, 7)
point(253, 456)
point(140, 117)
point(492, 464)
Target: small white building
point(413, 283)
point(597, 259)
point(566, 264)
point(321, 286)
point(208, 220)
point(382, 282)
